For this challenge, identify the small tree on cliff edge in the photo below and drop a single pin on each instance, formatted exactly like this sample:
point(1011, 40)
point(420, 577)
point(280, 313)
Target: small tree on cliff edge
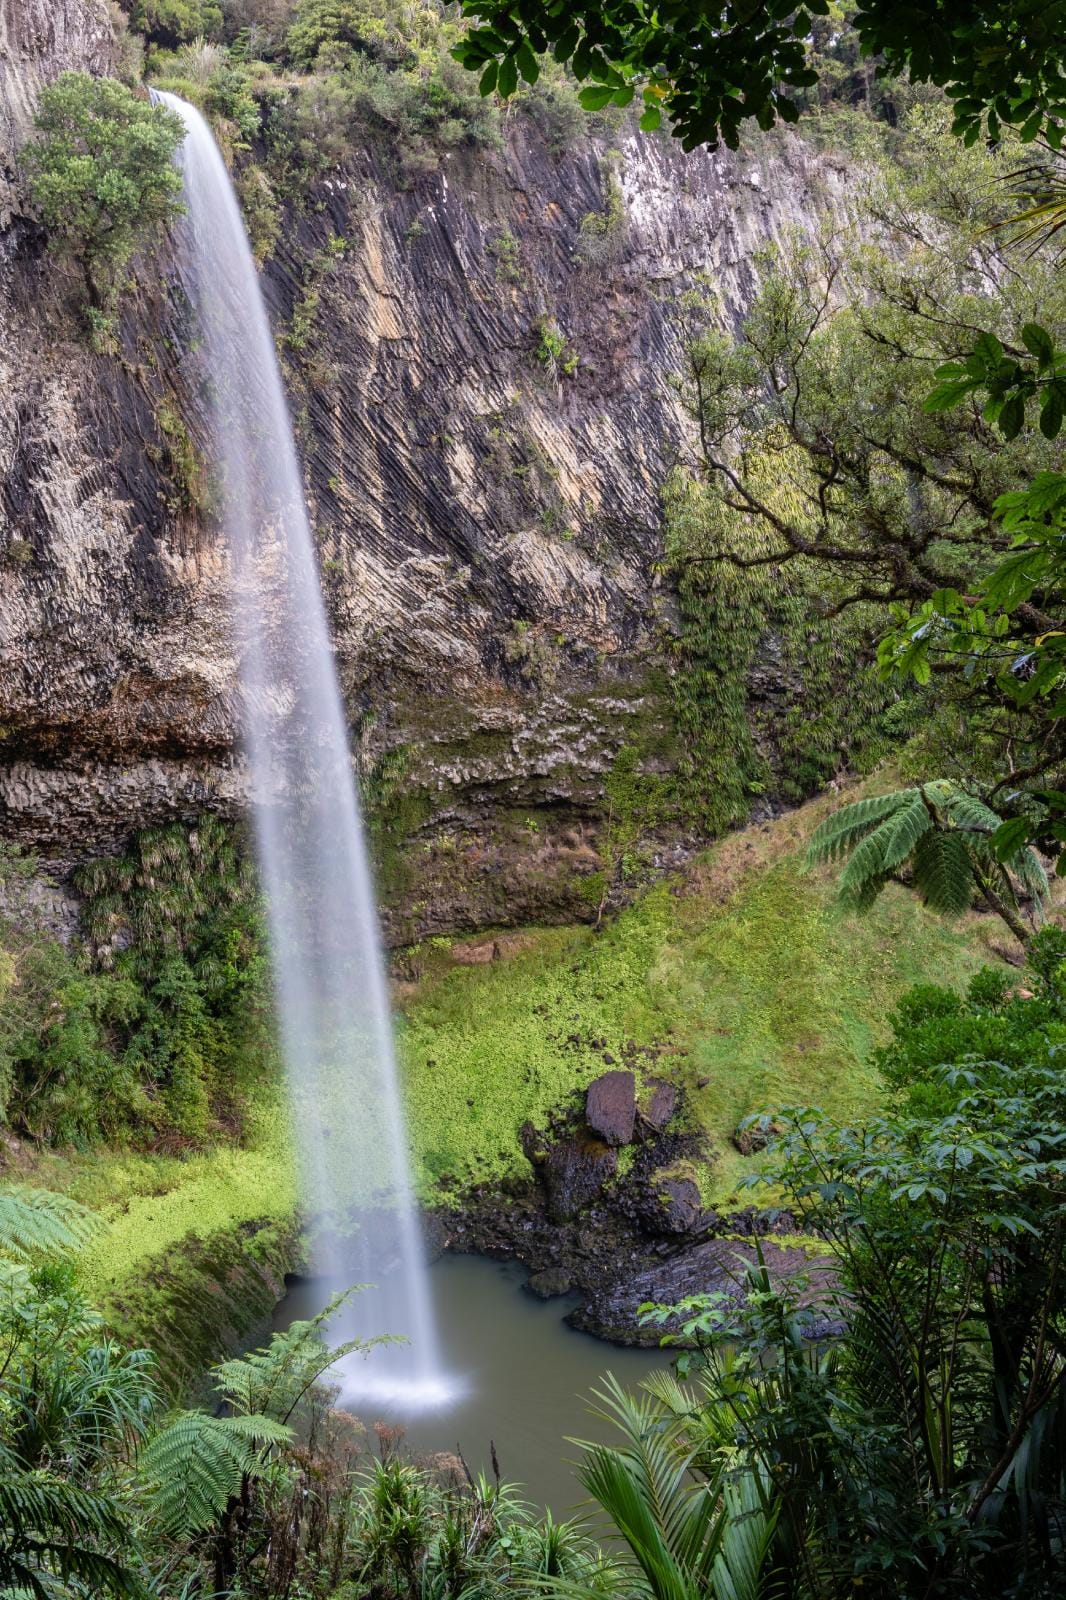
point(102, 174)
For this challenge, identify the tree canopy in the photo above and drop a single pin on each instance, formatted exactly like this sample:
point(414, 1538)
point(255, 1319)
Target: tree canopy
point(101, 170)
point(712, 67)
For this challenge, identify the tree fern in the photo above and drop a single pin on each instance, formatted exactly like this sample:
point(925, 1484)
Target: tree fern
point(191, 1468)
point(843, 828)
point(944, 834)
point(274, 1379)
point(35, 1223)
point(943, 873)
point(51, 1530)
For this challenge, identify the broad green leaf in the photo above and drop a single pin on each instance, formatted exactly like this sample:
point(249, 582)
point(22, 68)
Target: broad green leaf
point(1038, 342)
point(596, 96)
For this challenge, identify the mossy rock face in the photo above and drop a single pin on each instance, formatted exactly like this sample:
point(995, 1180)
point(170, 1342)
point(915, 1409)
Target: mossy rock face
point(206, 1296)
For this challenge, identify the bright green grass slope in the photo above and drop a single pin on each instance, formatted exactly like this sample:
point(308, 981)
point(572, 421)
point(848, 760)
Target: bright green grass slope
point(151, 1202)
point(747, 969)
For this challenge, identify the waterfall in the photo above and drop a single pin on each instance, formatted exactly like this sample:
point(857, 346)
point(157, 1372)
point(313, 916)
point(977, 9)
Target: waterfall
point(329, 976)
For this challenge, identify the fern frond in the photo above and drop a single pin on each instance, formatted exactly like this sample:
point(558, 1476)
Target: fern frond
point(1029, 870)
point(36, 1222)
point(900, 833)
point(273, 1379)
point(963, 809)
point(191, 1468)
point(863, 895)
point(885, 848)
point(943, 874)
point(842, 828)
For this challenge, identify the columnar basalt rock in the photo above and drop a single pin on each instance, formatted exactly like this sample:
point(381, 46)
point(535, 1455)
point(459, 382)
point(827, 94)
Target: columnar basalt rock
point(488, 527)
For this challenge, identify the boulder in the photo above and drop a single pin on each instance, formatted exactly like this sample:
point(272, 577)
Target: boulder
point(678, 1206)
point(550, 1282)
point(573, 1172)
point(662, 1104)
point(611, 1106)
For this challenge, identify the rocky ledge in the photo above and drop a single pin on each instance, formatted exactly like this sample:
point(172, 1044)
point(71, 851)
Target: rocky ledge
point(611, 1214)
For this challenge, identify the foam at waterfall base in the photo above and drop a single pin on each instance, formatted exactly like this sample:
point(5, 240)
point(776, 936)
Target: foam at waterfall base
point(397, 1393)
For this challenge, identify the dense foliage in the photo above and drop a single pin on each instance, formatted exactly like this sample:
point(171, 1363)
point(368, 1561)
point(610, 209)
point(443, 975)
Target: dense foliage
point(712, 67)
point(919, 1451)
point(101, 170)
point(825, 473)
point(945, 839)
point(269, 1493)
point(152, 1028)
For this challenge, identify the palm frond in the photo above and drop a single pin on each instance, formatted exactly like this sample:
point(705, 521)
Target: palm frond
point(50, 1528)
point(667, 1519)
point(742, 1566)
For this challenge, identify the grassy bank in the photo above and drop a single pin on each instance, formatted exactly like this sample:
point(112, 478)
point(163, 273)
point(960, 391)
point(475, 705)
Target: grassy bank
point(757, 989)
point(152, 1202)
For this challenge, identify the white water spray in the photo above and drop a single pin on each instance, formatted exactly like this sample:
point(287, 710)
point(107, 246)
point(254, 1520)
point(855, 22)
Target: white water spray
point(329, 978)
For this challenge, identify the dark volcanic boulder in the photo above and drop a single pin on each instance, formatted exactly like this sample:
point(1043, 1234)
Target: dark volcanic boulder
point(548, 1283)
point(662, 1104)
point(611, 1107)
point(676, 1206)
point(574, 1172)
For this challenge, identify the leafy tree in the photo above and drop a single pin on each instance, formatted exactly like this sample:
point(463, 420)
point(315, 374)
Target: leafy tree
point(173, 22)
point(944, 838)
point(1001, 628)
point(321, 27)
point(101, 170)
point(822, 465)
point(711, 67)
point(921, 1451)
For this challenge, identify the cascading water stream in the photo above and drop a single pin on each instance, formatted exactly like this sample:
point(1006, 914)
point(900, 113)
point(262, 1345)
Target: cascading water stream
point(329, 977)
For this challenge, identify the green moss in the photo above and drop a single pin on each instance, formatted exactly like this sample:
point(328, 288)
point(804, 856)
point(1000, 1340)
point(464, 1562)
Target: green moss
point(762, 992)
point(153, 1201)
point(196, 1248)
point(179, 458)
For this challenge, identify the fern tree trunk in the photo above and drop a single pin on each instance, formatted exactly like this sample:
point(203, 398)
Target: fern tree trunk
point(1007, 913)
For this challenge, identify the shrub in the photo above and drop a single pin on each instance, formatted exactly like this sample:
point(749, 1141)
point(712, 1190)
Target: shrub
point(321, 27)
point(174, 22)
point(228, 98)
point(555, 352)
point(102, 173)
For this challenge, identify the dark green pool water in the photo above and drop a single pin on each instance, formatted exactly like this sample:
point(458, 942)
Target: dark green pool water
point(523, 1377)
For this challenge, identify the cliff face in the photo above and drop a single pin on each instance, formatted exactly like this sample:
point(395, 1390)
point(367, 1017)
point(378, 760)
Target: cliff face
point(488, 521)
